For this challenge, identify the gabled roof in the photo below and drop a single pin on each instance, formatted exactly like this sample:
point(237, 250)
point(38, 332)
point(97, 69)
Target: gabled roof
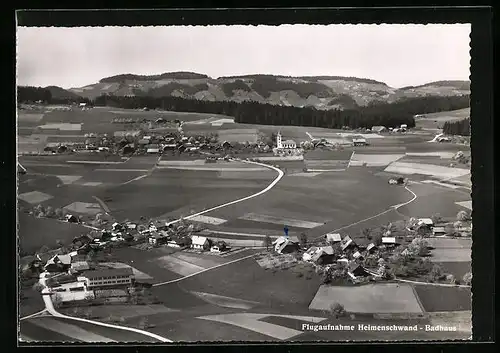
point(371, 246)
point(198, 240)
point(333, 237)
point(426, 221)
point(346, 242)
point(327, 250)
point(126, 271)
point(388, 240)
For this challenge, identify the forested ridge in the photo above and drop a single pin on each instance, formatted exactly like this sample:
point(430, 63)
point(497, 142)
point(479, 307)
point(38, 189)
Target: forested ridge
point(249, 112)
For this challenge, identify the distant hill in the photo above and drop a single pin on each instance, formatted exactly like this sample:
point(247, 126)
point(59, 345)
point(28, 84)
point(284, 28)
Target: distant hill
point(320, 92)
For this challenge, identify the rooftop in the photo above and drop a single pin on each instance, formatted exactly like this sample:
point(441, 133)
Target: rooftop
point(127, 271)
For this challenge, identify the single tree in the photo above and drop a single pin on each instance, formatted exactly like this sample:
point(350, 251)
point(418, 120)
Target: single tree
point(463, 216)
point(303, 239)
point(267, 242)
point(467, 278)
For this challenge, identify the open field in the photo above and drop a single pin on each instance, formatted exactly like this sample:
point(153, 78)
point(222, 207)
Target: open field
point(434, 298)
point(248, 281)
point(36, 232)
point(370, 298)
point(437, 120)
point(426, 169)
point(374, 160)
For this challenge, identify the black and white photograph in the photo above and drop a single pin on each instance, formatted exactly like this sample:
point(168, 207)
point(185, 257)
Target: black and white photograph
point(226, 183)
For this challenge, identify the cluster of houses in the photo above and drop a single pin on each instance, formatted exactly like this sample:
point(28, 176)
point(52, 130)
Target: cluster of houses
point(75, 279)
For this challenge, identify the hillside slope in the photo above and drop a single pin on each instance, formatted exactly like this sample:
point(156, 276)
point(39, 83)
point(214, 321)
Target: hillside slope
point(321, 92)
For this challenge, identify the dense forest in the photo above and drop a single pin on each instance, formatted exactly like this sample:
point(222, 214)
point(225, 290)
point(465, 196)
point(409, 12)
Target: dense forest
point(230, 87)
point(266, 84)
point(181, 75)
point(460, 127)
point(386, 114)
point(169, 88)
point(309, 78)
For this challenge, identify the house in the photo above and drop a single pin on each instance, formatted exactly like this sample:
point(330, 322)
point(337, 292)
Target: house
point(371, 248)
point(323, 256)
point(157, 239)
point(58, 263)
point(437, 231)
point(333, 238)
point(219, 247)
point(307, 256)
point(226, 144)
point(343, 261)
point(83, 105)
point(355, 270)
point(200, 243)
point(107, 277)
point(389, 241)
point(131, 225)
point(379, 128)
point(346, 243)
point(426, 221)
point(404, 126)
point(152, 148)
point(169, 146)
point(284, 245)
point(116, 227)
point(71, 219)
point(357, 256)
point(79, 266)
point(359, 141)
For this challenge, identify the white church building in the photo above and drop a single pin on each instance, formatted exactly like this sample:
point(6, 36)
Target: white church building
point(286, 148)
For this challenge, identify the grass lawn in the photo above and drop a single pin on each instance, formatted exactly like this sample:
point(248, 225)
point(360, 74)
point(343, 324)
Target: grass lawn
point(36, 232)
point(248, 281)
point(435, 298)
point(370, 298)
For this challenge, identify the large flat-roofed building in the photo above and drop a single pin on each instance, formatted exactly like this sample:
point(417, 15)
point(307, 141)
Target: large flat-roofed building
point(107, 277)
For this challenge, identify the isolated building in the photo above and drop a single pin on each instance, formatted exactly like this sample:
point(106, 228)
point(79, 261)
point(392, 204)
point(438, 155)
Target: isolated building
point(220, 246)
point(379, 128)
point(200, 243)
point(359, 141)
point(107, 277)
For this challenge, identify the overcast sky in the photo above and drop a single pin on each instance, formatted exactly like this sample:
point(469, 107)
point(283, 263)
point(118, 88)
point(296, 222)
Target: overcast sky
point(399, 55)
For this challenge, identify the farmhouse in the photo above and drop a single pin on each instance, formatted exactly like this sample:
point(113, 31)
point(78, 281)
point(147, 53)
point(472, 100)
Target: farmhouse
point(307, 256)
point(355, 270)
point(79, 266)
point(219, 247)
point(152, 148)
point(58, 263)
point(437, 231)
point(323, 256)
point(284, 245)
point(157, 239)
point(389, 241)
point(107, 277)
point(359, 141)
point(347, 243)
point(333, 238)
point(379, 128)
point(200, 243)
point(371, 248)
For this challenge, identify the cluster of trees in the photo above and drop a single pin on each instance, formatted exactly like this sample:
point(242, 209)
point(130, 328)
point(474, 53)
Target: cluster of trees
point(460, 127)
point(169, 88)
point(230, 87)
point(264, 85)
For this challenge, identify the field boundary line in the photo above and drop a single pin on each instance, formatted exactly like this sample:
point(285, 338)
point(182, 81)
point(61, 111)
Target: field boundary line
point(102, 204)
point(350, 159)
point(269, 187)
point(205, 270)
point(391, 208)
point(33, 315)
point(433, 284)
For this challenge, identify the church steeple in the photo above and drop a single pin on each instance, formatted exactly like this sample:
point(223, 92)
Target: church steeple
point(278, 140)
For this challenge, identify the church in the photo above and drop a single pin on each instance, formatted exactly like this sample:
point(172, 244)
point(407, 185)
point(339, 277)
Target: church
point(286, 148)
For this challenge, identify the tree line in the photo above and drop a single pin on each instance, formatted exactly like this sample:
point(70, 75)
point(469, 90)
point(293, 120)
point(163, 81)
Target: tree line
point(386, 114)
point(29, 94)
point(460, 127)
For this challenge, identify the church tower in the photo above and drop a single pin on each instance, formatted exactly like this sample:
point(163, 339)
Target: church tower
point(278, 140)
